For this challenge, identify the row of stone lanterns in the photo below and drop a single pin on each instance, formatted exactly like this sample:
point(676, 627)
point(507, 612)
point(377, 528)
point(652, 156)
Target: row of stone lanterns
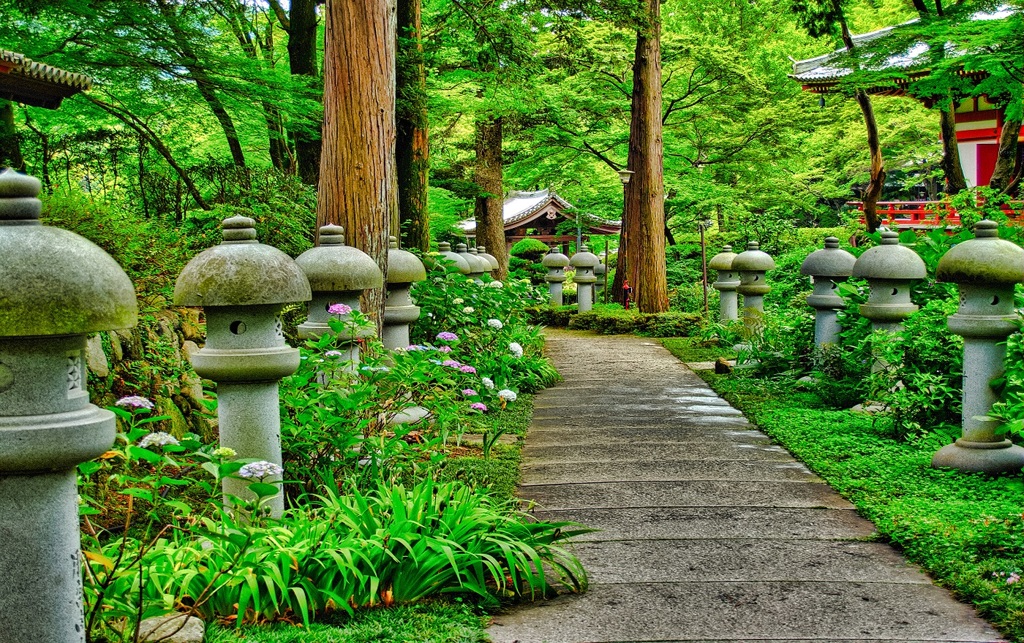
point(588, 270)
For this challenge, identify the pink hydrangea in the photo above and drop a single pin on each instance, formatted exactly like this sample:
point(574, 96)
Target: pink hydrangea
point(468, 392)
point(339, 309)
point(478, 406)
point(445, 336)
point(466, 368)
point(451, 363)
point(445, 349)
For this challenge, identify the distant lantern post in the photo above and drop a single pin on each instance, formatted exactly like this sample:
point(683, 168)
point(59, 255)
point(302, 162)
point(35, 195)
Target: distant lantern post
point(624, 177)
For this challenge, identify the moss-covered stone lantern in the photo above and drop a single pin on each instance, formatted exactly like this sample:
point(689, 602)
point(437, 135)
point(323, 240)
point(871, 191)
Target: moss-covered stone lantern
point(985, 269)
point(584, 262)
point(477, 267)
point(337, 274)
point(458, 264)
point(600, 270)
point(242, 286)
point(56, 289)
point(555, 262)
point(752, 264)
point(404, 268)
point(726, 284)
point(828, 267)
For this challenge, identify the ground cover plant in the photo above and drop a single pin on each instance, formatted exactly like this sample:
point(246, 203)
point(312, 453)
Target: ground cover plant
point(379, 514)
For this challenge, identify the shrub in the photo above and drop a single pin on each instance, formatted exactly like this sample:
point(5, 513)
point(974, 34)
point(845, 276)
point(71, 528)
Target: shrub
point(530, 249)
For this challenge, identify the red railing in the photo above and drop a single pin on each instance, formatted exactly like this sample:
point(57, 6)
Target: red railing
point(926, 214)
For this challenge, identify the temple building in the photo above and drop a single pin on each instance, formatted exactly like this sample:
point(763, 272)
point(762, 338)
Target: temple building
point(23, 80)
point(538, 214)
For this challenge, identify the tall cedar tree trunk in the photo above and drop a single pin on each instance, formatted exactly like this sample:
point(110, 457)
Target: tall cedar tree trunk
point(302, 62)
point(1006, 159)
point(490, 224)
point(951, 168)
point(645, 193)
point(357, 187)
point(411, 148)
point(10, 142)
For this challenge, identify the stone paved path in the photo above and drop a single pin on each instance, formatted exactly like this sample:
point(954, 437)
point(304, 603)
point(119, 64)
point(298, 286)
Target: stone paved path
point(709, 532)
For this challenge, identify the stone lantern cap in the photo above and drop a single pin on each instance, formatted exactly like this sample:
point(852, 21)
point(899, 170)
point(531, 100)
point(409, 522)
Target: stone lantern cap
point(600, 269)
point(335, 267)
point(52, 281)
point(491, 259)
point(722, 262)
point(986, 259)
point(403, 266)
point(555, 259)
point(584, 258)
point(241, 272)
point(753, 259)
point(444, 249)
point(889, 260)
point(476, 264)
point(831, 261)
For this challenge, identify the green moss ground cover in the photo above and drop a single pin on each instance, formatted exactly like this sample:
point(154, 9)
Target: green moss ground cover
point(694, 349)
point(967, 531)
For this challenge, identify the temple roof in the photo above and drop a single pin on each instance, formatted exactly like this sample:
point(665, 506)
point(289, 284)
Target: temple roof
point(831, 67)
point(520, 207)
point(33, 83)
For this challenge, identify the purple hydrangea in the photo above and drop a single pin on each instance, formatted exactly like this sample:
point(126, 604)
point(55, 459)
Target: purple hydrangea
point(451, 363)
point(339, 309)
point(135, 402)
point(445, 336)
point(445, 349)
point(466, 368)
point(478, 406)
point(260, 470)
point(468, 392)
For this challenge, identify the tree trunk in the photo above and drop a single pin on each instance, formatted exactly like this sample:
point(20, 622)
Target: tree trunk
point(951, 168)
point(645, 194)
point(1006, 159)
point(490, 224)
point(357, 187)
point(302, 62)
point(877, 182)
point(10, 142)
point(411, 149)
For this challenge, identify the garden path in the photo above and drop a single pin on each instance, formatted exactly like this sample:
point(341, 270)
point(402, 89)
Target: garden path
point(709, 532)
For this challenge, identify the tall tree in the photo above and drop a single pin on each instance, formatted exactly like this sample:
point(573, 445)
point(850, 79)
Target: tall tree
point(357, 177)
point(488, 175)
point(411, 148)
point(10, 143)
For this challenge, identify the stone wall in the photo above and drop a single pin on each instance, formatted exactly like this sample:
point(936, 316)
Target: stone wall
point(152, 360)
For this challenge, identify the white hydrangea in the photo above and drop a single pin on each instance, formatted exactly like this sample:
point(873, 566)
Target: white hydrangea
point(516, 349)
point(495, 324)
point(468, 310)
point(495, 284)
point(487, 382)
point(458, 300)
point(260, 470)
point(157, 439)
point(507, 395)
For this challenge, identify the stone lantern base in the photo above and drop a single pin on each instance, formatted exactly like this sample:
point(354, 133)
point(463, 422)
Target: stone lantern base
point(993, 458)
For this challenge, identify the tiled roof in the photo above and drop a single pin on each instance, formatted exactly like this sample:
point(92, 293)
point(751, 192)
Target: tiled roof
point(520, 206)
point(33, 83)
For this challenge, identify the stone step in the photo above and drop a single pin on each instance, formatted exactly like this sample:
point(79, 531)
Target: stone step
point(646, 453)
point(552, 437)
point(535, 474)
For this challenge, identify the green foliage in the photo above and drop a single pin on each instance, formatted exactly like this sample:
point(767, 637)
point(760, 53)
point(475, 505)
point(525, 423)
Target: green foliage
point(529, 248)
point(612, 319)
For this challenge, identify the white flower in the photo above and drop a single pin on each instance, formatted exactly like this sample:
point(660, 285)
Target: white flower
point(458, 300)
point(507, 395)
point(260, 469)
point(468, 309)
point(487, 382)
point(495, 324)
point(495, 284)
point(158, 439)
point(516, 349)
point(225, 452)
point(135, 402)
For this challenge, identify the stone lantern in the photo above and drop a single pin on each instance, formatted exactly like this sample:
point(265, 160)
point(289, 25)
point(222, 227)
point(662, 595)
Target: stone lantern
point(337, 274)
point(56, 289)
point(584, 262)
point(488, 257)
point(242, 286)
point(444, 250)
point(890, 269)
point(399, 311)
point(985, 269)
point(476, 267)
point(752, 264)
point(555, 262)
point(828, 267)
point(728, 282)
point(484, 263)
point(600, 270)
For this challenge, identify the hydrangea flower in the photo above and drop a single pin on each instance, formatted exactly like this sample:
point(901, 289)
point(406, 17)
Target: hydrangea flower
point(468, 392)
point(458, 300)
point(487, 382)
point(333, 354)
point(339, 309)
point(516, 349)
point(225, 452)
point(495, 324)
point(451, 363)
point(445, 349)
point(158, 439)
point(469, 309)
point(507, 395)
point(495, 284)
point(135, 402)
point(417, 347)
point(466, 368)
point(478, 406)
point(1014, 577)
point(445, 336)
point(260, 470)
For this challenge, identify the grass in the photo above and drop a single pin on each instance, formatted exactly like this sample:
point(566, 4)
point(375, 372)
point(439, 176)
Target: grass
point(966, 530)
point(692, 349)
point(433, 622)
